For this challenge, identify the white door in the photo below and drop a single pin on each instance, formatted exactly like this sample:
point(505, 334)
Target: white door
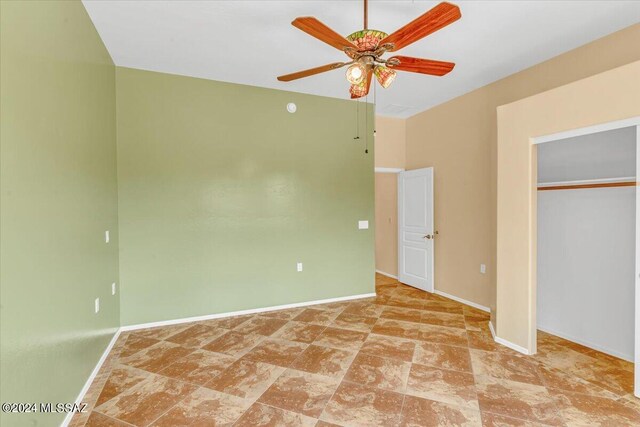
point(415, 228)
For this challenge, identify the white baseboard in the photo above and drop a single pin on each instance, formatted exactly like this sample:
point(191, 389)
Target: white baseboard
point(243, 312)
point(628, 358)
point(463, 301)
point(95, 371)
point(387, 274)
point(506, 343)
point(493, 332)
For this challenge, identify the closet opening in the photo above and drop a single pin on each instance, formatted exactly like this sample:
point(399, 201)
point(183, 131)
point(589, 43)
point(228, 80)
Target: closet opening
point(587, 239)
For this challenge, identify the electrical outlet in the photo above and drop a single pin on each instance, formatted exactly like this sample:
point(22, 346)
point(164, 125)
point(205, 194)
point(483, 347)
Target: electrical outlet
point(113, 288)
point(363, 225)
point(106, 236)
point(97, 305)
point(299, 266)
point(483, 268)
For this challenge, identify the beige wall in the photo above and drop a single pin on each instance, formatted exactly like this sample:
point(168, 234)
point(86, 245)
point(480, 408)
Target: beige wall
point(390, 142)
point(387, 223)
point(606, 97)
point(389, 150)
point(459, 139)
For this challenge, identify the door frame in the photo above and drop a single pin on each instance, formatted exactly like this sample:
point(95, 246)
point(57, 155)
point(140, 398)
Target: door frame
point(601, 127)
point(393, 171)
point(432, 287)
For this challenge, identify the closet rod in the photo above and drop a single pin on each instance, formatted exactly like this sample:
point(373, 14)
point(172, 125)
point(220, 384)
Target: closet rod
point(594, 185)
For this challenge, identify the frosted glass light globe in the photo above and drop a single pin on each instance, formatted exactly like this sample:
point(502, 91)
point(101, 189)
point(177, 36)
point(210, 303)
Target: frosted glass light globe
point(355, 74)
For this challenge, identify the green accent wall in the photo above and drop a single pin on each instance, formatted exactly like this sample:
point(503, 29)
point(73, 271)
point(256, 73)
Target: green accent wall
point(222, 192)
point(58, 196)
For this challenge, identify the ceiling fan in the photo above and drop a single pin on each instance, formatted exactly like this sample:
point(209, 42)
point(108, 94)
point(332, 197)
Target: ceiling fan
point(366, 47)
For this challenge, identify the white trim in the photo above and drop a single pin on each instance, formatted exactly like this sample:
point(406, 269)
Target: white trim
point(389, 170)
point(636, 390)
point(89, 381)
point(506, 343)
point(242, 312)
point(588, 181)
point(493, 332)
point(586, 344)
point(387, 274)
point(463, 301)
point(602, 127)
point(512, 346)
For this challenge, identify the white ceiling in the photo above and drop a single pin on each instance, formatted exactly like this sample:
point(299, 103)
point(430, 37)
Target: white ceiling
point(252, 42)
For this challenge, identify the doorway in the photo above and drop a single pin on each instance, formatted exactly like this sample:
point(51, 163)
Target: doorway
point(416, 233)
point(405, 226)
point(598, 299)
point(586, 240)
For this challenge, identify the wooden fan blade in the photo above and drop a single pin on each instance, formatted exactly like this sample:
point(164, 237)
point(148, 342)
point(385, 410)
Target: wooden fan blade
point(355, 90)
point(311, 71)
point(430, 22)
point(423, 66)
point(369, 79)
point(317, 29)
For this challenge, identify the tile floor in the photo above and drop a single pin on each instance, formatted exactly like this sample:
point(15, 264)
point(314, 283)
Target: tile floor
point(404, 358)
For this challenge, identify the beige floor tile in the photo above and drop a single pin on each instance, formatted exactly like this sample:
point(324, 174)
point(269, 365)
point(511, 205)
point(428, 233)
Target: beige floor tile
point(353, 321)
point(318, 317)
point(443, 335)
point(204, 407)
point(388, 346)
point(96, 419)
point(260, 325)
point(343, 339)
point(443, 319)
point(199, 367)
point(517, 400)
point(147, 400)
point(452, 387)
point(326, 361)
point(504, 366)
point(157, 357)
point(196, 336)
point(246, 379)
point(417, 412)
point(403, 314)
point(276, 352)
point(443, 356)
point(373, 371)
point(122, 378)
point(260, 415)
point(234, 343)
point(403, 357)
point(162, 332)
point(300, 392)
point(299, 331)
point(135, 343)
point(396, 328)
point(581, 409)
point(357, 405)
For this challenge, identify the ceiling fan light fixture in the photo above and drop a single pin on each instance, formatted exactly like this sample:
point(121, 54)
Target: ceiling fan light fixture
point(385, 75)
point(356, 73)
point(366, 48)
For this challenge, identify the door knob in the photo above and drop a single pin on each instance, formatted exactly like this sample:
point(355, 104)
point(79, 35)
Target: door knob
point(428, 236)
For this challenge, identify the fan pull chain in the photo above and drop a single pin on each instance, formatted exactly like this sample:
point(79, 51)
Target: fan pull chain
point(357, 119)
point(366, 124)
point(374, 112)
